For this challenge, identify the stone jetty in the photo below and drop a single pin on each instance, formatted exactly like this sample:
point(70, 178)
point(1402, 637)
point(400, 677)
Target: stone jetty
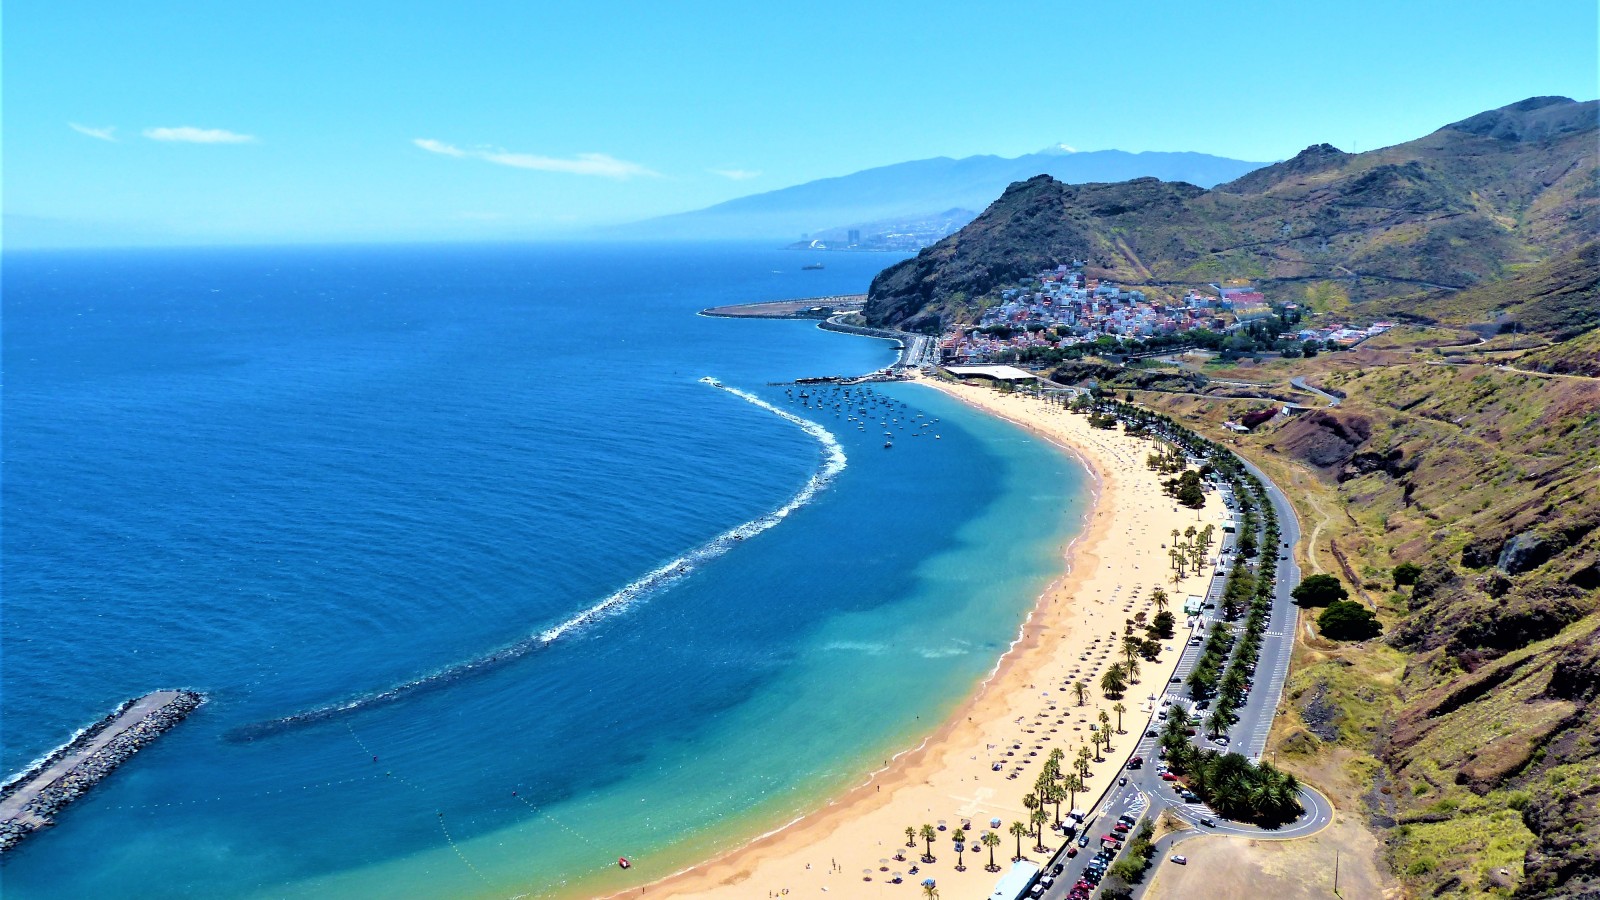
point(30, 800)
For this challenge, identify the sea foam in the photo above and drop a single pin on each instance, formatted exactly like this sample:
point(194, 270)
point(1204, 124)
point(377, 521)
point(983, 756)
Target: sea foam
point(833, 462)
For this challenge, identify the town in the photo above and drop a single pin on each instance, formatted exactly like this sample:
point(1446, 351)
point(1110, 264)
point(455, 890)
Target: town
point(1061, 313)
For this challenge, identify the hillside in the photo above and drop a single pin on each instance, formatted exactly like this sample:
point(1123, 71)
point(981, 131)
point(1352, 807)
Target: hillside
point(922, 188)
point(1465, 205)
point(1468, 736)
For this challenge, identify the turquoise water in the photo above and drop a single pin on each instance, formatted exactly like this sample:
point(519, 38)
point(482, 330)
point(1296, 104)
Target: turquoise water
point(304, 480)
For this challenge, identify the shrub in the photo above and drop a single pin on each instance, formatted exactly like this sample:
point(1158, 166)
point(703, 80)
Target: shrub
point(1319, 590)
point(1345, 620)
point(1406, 573)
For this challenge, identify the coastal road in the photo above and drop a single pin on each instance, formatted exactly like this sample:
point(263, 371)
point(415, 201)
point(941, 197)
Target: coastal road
point(1145, 794)
point(1249, 734)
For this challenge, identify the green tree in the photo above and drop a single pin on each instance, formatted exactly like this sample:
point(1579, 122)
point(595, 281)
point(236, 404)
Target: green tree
point(929, 892)
point(1406, 573)
point(1039, 817)
point(1163, 625)
point(1160, 599)
point(1074, 786)
point(1345, 620)
point(911, 836)
point(1120, 710)
point(1018, 829)
point(928, 833)
point(1081, 690)
point(1319, 590)
point(959, 838)
point(991, 840)
point(1114, 682)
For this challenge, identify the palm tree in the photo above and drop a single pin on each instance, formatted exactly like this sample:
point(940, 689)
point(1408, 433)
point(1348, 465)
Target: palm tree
point(928, 834)
point(1160, 599)
point(1032, 803)
point(1057, 794)
point(1112, 682)
point(929, 892)
point(1017, 831)
point(911, 836)
point(991, 840)
point(959, 837)
point(1084, 756)
point(1081, 689)
point(1130, 648)
point(1217, 722)
point(1132, 671)
point(1038, 818)
point(1073, 785)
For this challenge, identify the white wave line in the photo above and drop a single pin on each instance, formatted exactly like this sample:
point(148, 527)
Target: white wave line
point(663, 575)
point(833, 464)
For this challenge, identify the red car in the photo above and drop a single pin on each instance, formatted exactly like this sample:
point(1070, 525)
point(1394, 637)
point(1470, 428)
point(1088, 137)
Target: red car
point(1168, 776)
point(1119, 827)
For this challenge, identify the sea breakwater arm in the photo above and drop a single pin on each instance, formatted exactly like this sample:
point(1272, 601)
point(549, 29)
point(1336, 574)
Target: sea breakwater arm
point(30, 800)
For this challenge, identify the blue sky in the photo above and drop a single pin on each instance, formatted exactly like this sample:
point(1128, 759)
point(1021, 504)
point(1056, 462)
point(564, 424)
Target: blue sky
point(159, 122)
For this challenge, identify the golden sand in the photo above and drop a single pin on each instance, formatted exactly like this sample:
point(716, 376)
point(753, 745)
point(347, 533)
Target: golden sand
point(847, 848)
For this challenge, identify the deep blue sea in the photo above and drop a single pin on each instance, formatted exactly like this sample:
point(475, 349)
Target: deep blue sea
point(339, 479)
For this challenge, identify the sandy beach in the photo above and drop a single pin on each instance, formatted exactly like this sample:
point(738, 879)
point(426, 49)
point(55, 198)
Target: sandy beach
point(1014, 719)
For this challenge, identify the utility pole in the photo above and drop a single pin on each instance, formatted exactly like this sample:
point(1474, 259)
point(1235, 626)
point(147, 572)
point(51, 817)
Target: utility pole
point(1336, 873)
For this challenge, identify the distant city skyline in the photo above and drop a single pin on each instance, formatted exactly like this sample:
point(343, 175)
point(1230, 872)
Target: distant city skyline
point(172, 124)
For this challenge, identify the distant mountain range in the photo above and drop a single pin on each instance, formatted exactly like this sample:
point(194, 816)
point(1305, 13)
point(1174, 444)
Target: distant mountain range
point(1467, 205)
point(922, 189)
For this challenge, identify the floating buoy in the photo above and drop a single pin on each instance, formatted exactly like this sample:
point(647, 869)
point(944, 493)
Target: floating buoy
point(622, 861)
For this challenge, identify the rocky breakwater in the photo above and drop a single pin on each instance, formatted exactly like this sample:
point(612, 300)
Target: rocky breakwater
point(30, 800)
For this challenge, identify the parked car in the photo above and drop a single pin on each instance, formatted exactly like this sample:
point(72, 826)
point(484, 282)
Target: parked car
point(1181, 860)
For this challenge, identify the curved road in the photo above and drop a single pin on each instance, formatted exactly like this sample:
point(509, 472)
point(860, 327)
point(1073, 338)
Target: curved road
point(1146, 795)
point(1300, 382)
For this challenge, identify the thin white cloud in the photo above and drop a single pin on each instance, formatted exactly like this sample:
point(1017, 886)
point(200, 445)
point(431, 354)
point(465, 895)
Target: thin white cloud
point(736, 174)
point(189, 135)
point(104, 134)
point(598, 164)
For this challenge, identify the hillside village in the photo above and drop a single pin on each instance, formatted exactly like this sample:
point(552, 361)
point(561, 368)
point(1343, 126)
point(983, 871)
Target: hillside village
point(1062, 309)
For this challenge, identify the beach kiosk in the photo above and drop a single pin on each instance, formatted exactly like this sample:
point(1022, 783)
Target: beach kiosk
point(1014, 884)
point(1192, 605)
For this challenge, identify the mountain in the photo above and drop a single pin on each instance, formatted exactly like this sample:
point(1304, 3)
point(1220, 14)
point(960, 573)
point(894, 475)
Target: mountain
point(922, 188)
point(1464, 205)
point(1452, 489)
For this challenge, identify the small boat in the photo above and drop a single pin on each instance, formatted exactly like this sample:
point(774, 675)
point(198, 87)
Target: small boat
point(888, 444)
point(810, 267)
point(622, 862)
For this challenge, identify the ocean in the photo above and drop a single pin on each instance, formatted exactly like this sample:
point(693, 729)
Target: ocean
point(495, 562)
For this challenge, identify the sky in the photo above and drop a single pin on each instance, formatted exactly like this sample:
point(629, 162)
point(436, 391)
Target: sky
point(205, 123)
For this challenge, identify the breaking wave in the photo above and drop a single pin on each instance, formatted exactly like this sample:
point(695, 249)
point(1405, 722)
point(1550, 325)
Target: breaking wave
point(833, 463)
